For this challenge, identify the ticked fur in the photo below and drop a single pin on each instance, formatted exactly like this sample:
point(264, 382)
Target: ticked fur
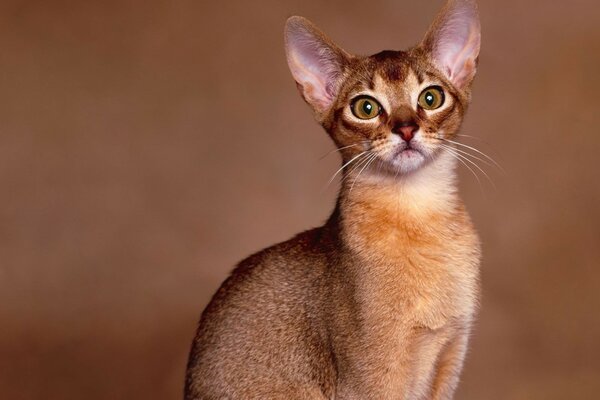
point(378, 303)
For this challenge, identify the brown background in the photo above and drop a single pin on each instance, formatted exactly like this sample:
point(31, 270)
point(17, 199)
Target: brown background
point(146, 147)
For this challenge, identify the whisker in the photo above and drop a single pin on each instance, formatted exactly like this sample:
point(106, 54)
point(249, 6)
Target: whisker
point(471, 137)
point(478, 167)
point(371, 159)
point(486, 162)
point(336, 149)
point(357, 165)
point(345, 165)
point(455, 155)
point(478, 151)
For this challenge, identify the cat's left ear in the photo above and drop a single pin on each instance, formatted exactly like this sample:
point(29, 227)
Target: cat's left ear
point(453, 41)
point(316, 63)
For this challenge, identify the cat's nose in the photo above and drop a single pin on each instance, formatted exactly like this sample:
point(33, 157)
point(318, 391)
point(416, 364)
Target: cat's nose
point(406, 130)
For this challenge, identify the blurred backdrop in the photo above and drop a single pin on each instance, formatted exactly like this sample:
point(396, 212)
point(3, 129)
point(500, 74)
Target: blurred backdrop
point(146, 147)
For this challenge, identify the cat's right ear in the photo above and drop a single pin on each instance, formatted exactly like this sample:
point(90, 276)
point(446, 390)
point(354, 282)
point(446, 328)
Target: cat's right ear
point(317, 64)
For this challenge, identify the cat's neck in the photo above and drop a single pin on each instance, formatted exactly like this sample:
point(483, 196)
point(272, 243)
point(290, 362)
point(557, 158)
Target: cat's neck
point(429, 190)
point(372, 208)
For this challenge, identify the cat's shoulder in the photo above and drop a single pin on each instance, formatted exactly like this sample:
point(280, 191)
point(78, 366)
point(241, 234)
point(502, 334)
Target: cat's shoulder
point(303, 255)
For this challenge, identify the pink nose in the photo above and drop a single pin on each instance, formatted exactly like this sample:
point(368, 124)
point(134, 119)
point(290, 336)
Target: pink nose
point(406, 130)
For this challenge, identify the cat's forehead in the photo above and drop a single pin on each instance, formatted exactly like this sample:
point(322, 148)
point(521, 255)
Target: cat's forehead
point(392, 77)
point(391, 66)
point(395, 71)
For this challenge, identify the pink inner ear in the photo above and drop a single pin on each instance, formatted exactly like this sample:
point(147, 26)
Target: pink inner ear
point(308, 70)
point(314, 65)
point(457, 45)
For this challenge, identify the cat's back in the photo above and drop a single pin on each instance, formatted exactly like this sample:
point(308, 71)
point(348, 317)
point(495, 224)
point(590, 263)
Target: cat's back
point(265, 324)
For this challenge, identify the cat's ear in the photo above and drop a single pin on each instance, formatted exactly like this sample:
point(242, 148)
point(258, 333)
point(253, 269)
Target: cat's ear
point(453, 41)
point(317, 64)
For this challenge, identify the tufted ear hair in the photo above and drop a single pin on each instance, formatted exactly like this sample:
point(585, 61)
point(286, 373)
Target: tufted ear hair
point(316, 63)
point(453, 41)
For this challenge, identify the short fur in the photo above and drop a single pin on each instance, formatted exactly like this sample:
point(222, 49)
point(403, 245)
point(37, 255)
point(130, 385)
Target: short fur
point(378, 303)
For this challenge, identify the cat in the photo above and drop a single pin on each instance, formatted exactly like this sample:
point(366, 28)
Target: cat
point(378, 303)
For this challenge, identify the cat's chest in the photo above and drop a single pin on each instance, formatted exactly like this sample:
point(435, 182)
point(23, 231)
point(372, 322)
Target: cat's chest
point(434, 286)
point(426, 275)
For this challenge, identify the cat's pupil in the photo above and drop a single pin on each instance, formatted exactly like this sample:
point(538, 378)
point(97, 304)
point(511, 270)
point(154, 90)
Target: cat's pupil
point(429, 98)
point(367, 107)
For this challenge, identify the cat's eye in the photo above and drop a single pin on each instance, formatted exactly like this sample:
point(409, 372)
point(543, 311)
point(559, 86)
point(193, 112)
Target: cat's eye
point(431, 98)
point(365, 107)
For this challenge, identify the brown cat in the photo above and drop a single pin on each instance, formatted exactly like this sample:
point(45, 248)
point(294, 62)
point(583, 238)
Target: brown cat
point(377, 303)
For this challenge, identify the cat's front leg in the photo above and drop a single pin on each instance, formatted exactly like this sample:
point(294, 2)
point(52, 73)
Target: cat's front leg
point(448, 367)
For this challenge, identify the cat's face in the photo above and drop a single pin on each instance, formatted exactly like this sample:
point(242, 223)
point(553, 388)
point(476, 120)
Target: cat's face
point(393, 110)
point(398, 107)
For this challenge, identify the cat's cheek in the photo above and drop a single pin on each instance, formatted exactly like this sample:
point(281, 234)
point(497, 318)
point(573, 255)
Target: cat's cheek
point(359, 130)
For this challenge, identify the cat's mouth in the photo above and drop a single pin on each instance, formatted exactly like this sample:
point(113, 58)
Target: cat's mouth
point(408, 158)
point(408, 151)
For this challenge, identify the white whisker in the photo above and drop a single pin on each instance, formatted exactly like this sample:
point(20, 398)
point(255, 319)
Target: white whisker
point(486, 162)
point(338, 149)
point(371, 158)
point(357, 165)
point(478, 151)
point(455, 155)
point(471, 137)
point(345, 165)
point(476, 166)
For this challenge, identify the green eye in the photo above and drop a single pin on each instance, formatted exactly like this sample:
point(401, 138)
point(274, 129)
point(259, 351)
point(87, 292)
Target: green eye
point(365, 107)
point(431, 98)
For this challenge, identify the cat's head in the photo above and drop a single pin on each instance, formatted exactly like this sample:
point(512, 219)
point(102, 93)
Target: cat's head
point(395, 107)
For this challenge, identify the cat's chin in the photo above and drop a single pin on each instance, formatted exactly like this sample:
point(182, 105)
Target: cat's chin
point(408, 160)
